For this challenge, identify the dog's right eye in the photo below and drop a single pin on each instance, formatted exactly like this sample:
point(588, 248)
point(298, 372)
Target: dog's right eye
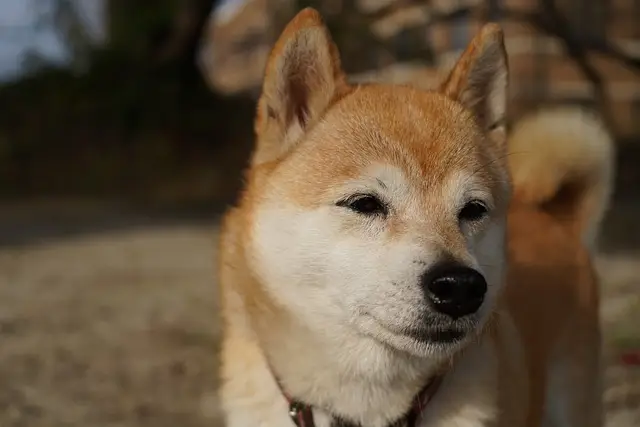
point(474, 210)
point(365, 204)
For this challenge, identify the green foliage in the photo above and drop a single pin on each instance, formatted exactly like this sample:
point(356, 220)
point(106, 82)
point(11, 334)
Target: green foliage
point(136, 26)
point(119, 128)
point(124, 122)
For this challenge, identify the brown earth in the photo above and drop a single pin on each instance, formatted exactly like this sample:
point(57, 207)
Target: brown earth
point(108, 318)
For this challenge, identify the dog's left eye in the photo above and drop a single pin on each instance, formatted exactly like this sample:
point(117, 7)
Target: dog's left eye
point(474, 210)
point(365, 204)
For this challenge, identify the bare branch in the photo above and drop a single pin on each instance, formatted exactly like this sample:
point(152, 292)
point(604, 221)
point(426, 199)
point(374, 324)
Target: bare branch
point(187, 30)
point(392, 8)
point(545, 25)
point(549, 20)
point(608, 49)
point(553, 21)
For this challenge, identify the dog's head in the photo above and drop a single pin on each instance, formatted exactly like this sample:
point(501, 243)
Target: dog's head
point(380, 209)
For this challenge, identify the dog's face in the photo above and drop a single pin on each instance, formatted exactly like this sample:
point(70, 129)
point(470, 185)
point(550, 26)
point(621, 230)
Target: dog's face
point(381, 210)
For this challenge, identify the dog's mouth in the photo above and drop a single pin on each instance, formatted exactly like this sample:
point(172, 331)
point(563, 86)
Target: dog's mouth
point(437, 336)
point(421, 339)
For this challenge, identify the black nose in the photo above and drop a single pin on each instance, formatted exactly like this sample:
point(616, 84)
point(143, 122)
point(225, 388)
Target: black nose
point(454, 290)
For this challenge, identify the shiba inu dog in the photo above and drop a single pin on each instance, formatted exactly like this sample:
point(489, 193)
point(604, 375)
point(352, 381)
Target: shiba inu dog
point(396, 260)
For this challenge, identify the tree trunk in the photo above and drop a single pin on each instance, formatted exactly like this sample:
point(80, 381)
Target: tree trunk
point(182, 45)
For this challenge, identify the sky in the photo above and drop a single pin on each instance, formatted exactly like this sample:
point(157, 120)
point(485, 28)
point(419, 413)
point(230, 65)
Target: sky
point(18, 34)
point(20, 31)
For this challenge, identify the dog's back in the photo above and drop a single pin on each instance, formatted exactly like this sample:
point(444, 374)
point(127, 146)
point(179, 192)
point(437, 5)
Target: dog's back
point(561, 162)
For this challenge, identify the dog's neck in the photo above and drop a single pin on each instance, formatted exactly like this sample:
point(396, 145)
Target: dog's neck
point(344, 373)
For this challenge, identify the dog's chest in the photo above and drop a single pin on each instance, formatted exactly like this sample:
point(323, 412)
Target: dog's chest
point(467, 397)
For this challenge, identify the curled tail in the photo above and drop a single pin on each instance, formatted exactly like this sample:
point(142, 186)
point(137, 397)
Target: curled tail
point(562, 161)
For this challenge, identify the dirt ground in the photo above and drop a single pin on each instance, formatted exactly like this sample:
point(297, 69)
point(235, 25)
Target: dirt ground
point(108, 319)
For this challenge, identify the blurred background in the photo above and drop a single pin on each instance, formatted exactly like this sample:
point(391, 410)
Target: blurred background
point(124, 126)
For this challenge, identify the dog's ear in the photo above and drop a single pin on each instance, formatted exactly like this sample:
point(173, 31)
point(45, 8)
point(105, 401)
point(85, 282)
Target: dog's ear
point(479, 81)
point(302, 78)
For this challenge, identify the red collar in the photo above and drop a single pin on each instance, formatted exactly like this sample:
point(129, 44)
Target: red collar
point(302, 414)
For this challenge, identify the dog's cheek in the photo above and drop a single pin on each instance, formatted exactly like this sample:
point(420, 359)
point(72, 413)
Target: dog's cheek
point(353, 272)
point(377, 276)
point(290, 249)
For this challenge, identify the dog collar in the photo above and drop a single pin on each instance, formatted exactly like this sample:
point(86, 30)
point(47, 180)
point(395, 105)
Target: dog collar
point(302, 414)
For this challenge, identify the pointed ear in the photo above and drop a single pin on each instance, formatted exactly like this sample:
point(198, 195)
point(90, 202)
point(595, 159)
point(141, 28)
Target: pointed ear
point(479, 80)
point(303, 76)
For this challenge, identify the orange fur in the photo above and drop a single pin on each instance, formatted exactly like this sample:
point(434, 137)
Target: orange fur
point(562, 160)
point(561, 164)
point(292, 263)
